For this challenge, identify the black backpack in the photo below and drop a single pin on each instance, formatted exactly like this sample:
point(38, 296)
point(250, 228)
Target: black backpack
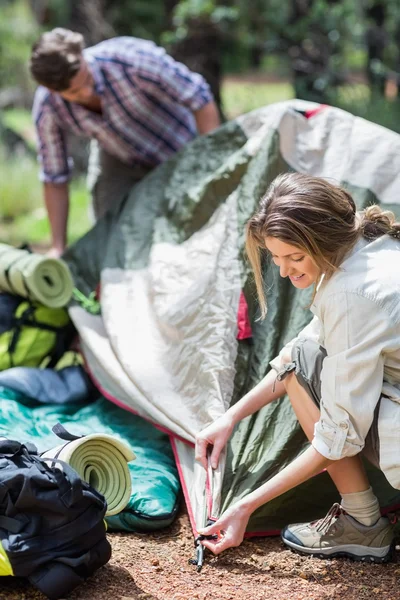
point(52, 525)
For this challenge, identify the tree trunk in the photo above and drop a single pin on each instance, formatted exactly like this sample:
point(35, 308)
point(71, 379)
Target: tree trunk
point(201, 51)
point(85, 16)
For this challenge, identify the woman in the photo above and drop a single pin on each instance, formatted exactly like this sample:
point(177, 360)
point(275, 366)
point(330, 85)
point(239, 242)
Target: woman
point(342, 373)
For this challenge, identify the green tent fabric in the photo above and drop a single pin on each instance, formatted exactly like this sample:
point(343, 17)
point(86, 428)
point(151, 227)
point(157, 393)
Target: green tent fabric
point(171, 263)
point(154, 482)
point(33, 276)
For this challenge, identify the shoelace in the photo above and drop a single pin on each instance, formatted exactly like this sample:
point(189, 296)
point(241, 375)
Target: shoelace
point(323, 525)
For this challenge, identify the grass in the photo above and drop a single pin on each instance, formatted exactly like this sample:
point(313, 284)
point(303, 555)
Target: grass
point(20, 188)
point(33, 226)
point(23, 216)
point(240, 97)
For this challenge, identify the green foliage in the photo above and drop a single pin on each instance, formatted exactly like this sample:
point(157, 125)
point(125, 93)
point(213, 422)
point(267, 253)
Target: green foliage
point(188, 12)
point(17, 34)
point(358, 100)
point(20, 121)
point(195, 9)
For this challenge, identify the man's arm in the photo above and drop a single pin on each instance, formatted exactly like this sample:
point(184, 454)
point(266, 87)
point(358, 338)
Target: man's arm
point(207, 118)
point(56, 197)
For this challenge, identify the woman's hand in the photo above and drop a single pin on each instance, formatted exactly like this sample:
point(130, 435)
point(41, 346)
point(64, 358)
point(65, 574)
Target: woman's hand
point(230, 528)
point(216, 435)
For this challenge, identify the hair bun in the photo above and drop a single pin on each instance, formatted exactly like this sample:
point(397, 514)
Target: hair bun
point(376, 222)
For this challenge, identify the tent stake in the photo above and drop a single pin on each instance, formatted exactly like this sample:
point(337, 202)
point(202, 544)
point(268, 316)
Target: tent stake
point(198, 561)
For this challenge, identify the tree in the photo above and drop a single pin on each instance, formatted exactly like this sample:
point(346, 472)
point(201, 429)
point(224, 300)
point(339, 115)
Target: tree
point(197, 37)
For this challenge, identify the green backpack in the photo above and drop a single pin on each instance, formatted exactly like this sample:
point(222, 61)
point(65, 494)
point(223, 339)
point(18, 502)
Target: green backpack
point(32, 335)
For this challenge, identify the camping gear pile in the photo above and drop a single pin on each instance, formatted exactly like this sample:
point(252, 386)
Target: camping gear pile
point(171, 344)
point(90, 471)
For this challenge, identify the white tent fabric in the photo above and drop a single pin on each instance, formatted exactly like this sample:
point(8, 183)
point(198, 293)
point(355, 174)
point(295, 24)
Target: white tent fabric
point(333, 144)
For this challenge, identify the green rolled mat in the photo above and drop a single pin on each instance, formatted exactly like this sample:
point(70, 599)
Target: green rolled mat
point(46, 280)
point(102, 461)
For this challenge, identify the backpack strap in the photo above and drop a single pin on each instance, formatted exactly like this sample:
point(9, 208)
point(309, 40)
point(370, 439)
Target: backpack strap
point(64, 434)
point(13, 525)
point(12, 447)
point(28, 319)
point(70, 484)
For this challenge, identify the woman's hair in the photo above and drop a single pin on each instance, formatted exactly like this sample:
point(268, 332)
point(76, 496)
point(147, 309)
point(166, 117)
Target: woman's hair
point(316, 216)
point(56, 58)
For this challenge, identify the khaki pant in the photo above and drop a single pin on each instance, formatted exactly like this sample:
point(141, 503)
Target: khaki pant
point(109, 180)
point(307, 360)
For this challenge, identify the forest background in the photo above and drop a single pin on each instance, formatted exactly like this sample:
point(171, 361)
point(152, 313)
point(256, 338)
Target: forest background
point(253, 52)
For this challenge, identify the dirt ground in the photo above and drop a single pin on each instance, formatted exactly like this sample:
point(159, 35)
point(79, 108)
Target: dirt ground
point(155, 567)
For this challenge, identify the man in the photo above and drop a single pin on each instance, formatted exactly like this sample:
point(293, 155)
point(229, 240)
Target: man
point(135, 102)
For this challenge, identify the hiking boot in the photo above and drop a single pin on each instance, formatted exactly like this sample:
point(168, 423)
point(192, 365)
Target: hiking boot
point(338, 534)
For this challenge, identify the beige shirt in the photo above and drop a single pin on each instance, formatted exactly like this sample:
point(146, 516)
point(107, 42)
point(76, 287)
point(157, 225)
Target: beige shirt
point(357, 321)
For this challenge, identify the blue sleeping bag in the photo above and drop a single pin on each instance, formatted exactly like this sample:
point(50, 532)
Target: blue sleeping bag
point(155, 482)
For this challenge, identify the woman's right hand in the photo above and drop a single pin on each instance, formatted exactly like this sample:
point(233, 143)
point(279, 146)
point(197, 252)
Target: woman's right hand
point(216, 435)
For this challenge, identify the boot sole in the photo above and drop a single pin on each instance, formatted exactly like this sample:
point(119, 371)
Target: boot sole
point(388, 557)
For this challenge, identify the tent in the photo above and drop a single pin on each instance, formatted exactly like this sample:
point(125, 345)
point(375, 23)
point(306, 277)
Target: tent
point(171, 266)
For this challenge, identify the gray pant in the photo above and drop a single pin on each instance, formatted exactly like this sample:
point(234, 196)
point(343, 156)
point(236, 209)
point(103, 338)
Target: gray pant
point(307, 360)
point(109, 180)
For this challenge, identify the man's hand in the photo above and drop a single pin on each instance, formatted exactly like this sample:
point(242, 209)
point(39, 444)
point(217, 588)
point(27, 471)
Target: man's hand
point(216, 435)
point(54, 252)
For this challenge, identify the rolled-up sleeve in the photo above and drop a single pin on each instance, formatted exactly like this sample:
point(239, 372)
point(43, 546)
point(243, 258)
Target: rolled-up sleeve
point(311, 331)
point(356, 332)
point(51, 144)
point(161, 75)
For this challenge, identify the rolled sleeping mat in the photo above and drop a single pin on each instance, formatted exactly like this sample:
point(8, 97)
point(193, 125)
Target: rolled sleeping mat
point(102, 461)
point(45, 280)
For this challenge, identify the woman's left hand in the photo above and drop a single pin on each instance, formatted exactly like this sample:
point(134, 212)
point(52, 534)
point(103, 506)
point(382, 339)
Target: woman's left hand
point(230, 528)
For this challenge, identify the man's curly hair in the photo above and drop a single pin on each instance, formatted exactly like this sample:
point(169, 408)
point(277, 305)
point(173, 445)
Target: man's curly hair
point(56, 58)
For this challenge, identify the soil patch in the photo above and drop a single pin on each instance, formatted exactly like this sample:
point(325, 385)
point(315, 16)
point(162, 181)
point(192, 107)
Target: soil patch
point(155, 567)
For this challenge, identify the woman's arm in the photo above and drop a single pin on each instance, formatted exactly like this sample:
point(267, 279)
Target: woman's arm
point(269, 389)
point(218, 433)
point(231, 526)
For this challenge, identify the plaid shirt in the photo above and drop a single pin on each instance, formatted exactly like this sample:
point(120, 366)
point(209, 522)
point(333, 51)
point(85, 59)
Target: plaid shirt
point(147, 99)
